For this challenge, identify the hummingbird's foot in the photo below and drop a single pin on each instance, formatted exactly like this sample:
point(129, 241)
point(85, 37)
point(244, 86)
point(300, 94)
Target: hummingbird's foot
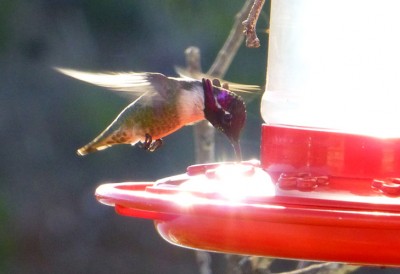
point(155, 145)
point(151, 145)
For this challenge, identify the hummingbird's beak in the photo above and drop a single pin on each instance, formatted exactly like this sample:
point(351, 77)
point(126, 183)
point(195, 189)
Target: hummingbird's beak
point(237, 149)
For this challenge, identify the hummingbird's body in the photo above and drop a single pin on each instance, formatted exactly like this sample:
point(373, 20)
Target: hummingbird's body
point(157, 117)
point(164, 105)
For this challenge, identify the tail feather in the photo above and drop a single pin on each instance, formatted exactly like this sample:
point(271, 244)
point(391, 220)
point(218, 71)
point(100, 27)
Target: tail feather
point(89, 148)
point(101, 142)
point(107, 139)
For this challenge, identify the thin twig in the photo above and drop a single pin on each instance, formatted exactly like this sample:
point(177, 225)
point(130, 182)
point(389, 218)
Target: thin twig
point(203, 259)
point(308, 268)
point(232, 44)
point(328, 267)
point(203, 132)
point(250, 23)
point(204, 135)
point(193, 62)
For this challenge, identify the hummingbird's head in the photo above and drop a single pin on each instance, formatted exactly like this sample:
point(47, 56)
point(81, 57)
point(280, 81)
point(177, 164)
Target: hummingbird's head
point(226, 111)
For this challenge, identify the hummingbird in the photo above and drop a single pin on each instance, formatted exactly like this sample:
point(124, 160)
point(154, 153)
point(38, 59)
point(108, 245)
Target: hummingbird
point(163, 106)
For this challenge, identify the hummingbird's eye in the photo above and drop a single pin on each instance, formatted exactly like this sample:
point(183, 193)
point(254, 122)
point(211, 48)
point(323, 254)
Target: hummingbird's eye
point(227, 118)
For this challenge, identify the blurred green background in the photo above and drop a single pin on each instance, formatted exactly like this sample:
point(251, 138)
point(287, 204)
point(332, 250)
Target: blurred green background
point(50, 221)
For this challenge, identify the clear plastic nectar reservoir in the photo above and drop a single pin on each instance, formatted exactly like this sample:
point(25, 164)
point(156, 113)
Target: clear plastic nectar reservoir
point(334, 64)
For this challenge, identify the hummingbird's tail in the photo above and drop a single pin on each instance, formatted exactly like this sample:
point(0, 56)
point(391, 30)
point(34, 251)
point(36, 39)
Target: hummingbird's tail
point(87, 149)
point(91, 147)
point(107, 139)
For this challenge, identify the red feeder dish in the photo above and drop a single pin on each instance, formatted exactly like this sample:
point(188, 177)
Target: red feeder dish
point(315, 195)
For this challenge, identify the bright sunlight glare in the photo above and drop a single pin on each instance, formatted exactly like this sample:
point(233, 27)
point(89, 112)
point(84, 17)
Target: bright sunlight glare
point(334, 64)
point(232, 182)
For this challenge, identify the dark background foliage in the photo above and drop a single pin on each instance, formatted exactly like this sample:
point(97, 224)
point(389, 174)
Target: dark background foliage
point(50, 221)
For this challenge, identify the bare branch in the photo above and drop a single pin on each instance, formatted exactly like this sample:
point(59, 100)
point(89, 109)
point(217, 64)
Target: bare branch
point(193, 64)
point(324, 268)
point(232, 44)
point(308, 268)
point(204, 134)
point(249, 24)
point(203, 259)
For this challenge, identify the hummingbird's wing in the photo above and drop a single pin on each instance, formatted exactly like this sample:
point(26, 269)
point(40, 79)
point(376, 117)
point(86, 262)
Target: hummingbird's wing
point(184, 73)
point(138, 84)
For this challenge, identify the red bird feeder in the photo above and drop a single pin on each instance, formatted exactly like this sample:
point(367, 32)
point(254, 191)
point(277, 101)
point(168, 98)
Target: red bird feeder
point(294, 204)
point(327, 186)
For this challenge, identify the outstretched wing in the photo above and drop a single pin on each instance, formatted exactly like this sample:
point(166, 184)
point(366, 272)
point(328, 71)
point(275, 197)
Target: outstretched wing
point(243, 88)
point(136, 83)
